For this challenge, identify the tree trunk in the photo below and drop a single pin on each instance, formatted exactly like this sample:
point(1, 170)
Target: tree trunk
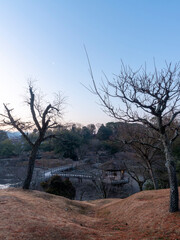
point(140, 186)
point(174, 197)
point(154, 180)
point(30, 169)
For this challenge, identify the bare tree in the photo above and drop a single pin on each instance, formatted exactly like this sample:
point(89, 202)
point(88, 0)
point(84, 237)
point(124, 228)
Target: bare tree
point(146, 145)
point(152, 99)
point(138, 174)
point(103, 187)
point(43, 119)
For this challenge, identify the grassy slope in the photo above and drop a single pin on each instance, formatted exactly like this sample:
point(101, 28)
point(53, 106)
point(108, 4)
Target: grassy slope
point(30, 215)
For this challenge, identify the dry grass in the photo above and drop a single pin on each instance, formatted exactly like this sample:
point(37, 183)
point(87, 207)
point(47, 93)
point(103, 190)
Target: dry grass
point(33, 215)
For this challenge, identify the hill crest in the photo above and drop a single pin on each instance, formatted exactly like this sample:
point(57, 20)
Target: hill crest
point(33, 215)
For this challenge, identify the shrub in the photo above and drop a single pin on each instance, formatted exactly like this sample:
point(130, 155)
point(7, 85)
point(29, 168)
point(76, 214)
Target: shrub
point(55, 185)
point(148, 185)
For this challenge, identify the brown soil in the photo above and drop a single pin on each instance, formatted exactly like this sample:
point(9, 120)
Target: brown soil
point(33, 215)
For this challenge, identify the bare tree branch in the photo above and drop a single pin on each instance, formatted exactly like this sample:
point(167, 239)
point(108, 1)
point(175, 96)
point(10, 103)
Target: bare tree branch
point(143, 96)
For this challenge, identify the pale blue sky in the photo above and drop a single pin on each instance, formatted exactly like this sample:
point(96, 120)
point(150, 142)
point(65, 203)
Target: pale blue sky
point(43, 39)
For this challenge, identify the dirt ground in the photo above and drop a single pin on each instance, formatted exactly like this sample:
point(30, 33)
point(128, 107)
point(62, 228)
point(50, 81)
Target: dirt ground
point(33, 215)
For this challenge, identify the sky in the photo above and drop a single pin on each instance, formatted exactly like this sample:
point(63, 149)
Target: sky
point(43, 40)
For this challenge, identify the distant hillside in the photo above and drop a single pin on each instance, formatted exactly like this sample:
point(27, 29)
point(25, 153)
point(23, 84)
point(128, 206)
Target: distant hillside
point(13, 135)
point(33, 215)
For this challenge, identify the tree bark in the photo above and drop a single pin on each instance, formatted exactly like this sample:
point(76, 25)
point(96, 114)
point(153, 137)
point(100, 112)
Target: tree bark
point(174, 196)
point(30, 169)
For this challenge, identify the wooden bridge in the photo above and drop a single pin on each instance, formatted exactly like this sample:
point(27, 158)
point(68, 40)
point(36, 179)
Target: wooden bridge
point(40, 176)
point(60, 171)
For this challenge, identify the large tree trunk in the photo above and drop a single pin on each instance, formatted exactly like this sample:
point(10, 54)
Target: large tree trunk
point(30, 169)
point(174, 196)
